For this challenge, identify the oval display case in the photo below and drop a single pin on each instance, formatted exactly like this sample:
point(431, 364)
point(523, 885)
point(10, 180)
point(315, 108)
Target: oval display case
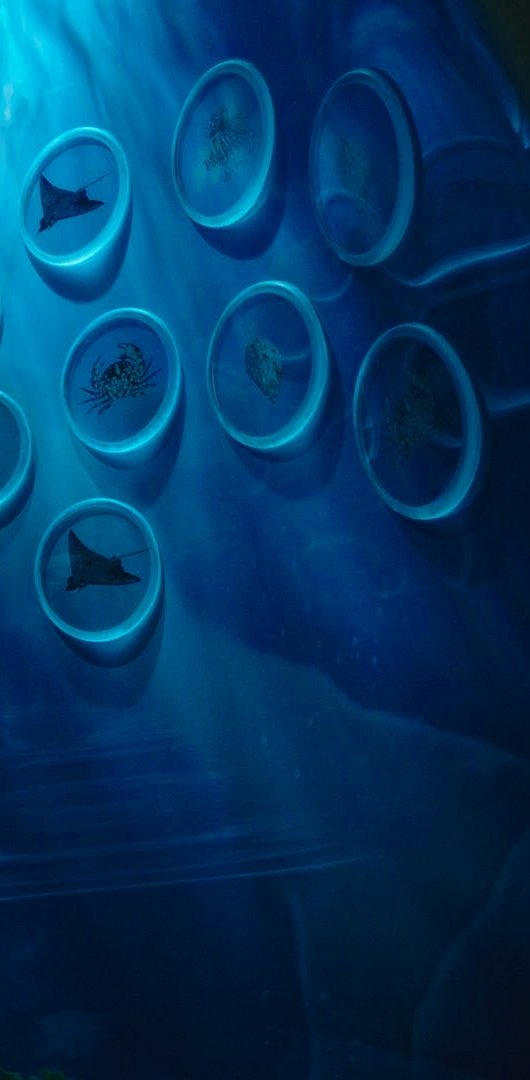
point(121, 386)
point(418, 424)
point(362, 167)
point(224, 146)
point(268, 368)
point(75, 211)
point(98, 576)
point(16, 458)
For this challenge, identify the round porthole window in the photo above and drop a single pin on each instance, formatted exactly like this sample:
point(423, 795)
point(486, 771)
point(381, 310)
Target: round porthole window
point(268, 367)
point(75, 211)
point(121, 385)
point(15, 458)
point(98, 575)
point(418, 424)
point(362, 168)
point(223, 148)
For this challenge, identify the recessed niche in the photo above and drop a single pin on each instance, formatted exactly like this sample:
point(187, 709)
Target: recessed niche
point(121, 385)
point(75, 211)
point(15, 458)
point(362, 167)
point(268, 367)
point(418, 424)
point(98, 575)
point(224, 145)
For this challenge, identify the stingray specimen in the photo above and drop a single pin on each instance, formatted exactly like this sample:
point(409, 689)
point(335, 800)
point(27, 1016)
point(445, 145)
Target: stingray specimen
point(60, 203)
point(90, 568)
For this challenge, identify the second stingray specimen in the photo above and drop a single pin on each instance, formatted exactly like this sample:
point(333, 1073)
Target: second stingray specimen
point(60, 203)
point(89, 567)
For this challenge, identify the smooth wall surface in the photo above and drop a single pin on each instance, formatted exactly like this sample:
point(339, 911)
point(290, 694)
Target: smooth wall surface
point(323, 749)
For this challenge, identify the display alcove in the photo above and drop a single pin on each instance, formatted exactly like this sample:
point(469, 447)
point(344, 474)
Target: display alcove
point(427, 212)
point(418, 423)
point(268, 368)
point(362, 168)
point(75, 211)
point(98, 576)
point(16, 458)
point(121, 385)
point(224, 146)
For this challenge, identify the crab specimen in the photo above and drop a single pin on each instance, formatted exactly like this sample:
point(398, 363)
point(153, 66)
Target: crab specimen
point(128, 376)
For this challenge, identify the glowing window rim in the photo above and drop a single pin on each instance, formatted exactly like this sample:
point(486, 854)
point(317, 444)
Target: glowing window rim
point(158, 423)
point(247, 202)
point(461, 484)
point(20, 475)
point(406, 186)
point(147, 606)
point(118, 217)
point(312, 404)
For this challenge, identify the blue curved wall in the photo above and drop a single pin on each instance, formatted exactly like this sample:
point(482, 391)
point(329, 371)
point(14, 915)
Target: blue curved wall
point(290, 838)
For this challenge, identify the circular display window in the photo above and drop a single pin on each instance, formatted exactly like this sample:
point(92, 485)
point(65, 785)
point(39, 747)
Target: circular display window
point(98, 572)
point(362, 168)
point(121, 385)
point(75, 206)
point(223, 147)
point(418, 424)
point(268, 367)
point(15, 456)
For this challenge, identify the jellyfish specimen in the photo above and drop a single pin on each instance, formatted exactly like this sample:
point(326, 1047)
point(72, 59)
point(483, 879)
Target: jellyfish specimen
point(227, 134)
point(264, 364)
point(128, 376)
point(60, 203)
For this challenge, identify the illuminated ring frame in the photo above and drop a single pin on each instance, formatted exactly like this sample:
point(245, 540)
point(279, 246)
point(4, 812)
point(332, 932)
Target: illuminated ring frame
point(405, 135)
point(77, 264)
point(13, 489)
point(147, 440)
point(463, 484)
point(310, 411)
point(253, 196)
point(140, 618)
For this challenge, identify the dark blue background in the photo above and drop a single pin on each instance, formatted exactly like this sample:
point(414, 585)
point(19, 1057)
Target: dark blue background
point(290, 840)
